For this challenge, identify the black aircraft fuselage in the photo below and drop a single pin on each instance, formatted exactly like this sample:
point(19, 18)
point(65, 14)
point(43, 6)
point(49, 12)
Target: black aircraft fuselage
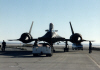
point(51, 36)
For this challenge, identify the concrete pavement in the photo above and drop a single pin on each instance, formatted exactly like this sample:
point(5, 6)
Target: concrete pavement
point(17, 59)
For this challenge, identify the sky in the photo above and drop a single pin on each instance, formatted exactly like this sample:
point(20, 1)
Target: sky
point(16, 17)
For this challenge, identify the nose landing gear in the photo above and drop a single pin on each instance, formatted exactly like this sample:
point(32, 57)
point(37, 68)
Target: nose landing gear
point(66, 49)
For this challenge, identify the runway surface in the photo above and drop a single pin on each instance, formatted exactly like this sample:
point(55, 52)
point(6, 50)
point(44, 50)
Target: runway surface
point(18, 59)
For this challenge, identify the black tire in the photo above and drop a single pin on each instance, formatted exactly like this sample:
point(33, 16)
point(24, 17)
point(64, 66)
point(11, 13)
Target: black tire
point(75, 49)
point(35, 54)
point(54, 51)
point(48, 55)
point(67, 49)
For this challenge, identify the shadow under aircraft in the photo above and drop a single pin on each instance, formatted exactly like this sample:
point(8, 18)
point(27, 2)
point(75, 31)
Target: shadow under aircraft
point(51, 37)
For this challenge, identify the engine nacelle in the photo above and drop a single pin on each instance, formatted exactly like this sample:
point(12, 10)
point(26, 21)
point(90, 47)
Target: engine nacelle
point(76, 38)
point(26, 38)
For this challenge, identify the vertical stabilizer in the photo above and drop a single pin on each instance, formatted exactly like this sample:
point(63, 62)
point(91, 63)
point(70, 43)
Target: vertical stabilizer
point(30, 28)
point(71, 28)
point(51, 27)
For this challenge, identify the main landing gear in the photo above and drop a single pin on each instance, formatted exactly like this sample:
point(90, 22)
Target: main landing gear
point(66, 49)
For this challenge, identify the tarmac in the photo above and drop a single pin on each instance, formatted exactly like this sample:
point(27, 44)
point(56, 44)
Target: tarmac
point(22, 59)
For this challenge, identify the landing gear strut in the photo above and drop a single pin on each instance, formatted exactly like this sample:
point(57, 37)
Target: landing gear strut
point(66, 49)
point(52, 47)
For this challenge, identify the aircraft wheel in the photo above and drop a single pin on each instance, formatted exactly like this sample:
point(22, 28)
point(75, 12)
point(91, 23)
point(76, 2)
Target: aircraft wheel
point(72, 48)
point(67, 49)
point(53, 50)
point(75, 49)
